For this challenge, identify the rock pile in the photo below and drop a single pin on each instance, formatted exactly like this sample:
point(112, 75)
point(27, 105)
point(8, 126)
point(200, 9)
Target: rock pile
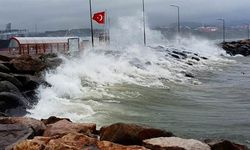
point(19, 78)
point(54, 133)
point(237, 47)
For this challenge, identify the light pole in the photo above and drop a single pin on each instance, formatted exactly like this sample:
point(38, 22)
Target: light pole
point(91, 23)
point(178, 19)
point(224, 28)
point(144, 26)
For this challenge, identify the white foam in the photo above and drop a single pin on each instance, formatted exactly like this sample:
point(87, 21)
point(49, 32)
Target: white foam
point(79, 80)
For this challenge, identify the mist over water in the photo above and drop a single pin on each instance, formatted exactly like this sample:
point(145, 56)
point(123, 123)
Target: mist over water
point(128, 82)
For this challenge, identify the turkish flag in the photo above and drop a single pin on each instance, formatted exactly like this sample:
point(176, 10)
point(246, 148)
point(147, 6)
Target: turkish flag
point(99, 17)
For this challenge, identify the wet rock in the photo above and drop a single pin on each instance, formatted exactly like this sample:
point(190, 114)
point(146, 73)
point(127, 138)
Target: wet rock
point(174, 143)
point(11, 101)
point(64, 127)
point(148, 63)
point(175, 56)
point(189, 63)
point(38, 143)
point(130, 134)
point(224, 145)
point(53, 63)
point(6, 86)
point(181, 54)
point(16, 129)
point(205, 58)
point(4, 69)
point(30, 82)
point(189, 75)
point(31, 96)
point(105, 145)
point(5, 58)
point(37, 126)
point(53, 119)
point(237, 47)
point(11, 134)
point(32, 85)
point(12, 79)
point(195, 58)
point(27, 64)
point(44, 57)
point(72, 141)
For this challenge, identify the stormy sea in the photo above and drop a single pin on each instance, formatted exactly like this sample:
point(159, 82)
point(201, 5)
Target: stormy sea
point(189, 86)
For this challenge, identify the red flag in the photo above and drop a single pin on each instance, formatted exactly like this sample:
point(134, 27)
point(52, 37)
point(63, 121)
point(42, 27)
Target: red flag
point(99, 17)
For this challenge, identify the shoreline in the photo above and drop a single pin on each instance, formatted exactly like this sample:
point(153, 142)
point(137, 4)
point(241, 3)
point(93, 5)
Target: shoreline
point(62, 134)
point(21, 76)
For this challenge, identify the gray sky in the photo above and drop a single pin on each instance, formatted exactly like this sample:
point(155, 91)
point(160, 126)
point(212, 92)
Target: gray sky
point(68, 14)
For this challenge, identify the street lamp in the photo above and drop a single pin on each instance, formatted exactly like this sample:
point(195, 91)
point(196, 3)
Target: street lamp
point(144, 26)
point(178, 19)
point(224, 28)
point(91, 23)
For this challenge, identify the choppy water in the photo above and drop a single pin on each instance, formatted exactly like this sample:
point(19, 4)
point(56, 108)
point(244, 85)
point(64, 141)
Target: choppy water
point(145, 85)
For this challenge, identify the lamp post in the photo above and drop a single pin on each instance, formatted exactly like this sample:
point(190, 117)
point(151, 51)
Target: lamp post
point(144, 26)
point(224, 28)
point(178, 19)
point(91, 23)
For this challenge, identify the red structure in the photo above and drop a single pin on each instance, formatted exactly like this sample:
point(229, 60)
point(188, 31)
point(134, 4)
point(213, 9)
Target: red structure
point(38, 45)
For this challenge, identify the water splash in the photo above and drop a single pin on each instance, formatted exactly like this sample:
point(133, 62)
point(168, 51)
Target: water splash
point(80, 84)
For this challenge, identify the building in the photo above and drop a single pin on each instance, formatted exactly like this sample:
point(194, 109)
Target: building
point(38, 45)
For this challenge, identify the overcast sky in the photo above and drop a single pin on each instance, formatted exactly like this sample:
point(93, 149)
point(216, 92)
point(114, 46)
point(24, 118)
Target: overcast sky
point(68, 14)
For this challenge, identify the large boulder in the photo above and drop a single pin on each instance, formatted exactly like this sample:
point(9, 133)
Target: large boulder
point(12, 79)
point(4, 69)
point(27, 64)
point(237, 47)
point(12, 101)
point(106, 145)
point(51, 60)
point(36, 125)
point(174, 143)
point(71, 141)
point(38, 143)
point(5, 58)
point(53, 119)
point(14, 130)
point(29, 82)
point(6, 86)
point(224, 145)
point(64, 127)
point(11, 134)
point(130, 134)
point(53, 63)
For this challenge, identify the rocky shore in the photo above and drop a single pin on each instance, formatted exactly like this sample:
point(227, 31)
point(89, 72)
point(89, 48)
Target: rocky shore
point(233, 48)
point(20, 76)
point(19, 133)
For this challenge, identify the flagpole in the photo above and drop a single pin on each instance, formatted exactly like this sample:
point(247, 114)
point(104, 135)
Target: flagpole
point(91, 23)
point(105, 26)
point(144, 26)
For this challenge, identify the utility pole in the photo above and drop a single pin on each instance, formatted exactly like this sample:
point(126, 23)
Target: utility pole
point(223, 28)
point(91, 23)
point(144, 26)
point(178, 18)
